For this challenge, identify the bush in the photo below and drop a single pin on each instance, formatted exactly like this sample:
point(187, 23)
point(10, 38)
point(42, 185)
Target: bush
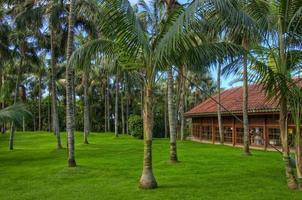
point(136, 126)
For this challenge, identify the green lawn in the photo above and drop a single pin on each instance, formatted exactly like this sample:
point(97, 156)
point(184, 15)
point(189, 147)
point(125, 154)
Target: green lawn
point(109, 168)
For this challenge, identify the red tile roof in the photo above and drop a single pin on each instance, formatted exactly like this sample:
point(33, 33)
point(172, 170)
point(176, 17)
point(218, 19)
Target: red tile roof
point(232, 99)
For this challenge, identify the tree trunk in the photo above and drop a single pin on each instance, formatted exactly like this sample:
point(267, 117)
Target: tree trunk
point(218, 105)
point(142, 102)
point(298, 153)
point(172, 124)
point(105, 108)
point(3, 127)
point(147, 180)
point(166, 113)
point(69, 82)
point(116, 104)
point(182, 100)
point(86, 107)
point(108, 104)
point(12, 131)
point(54, 105)
point(40, 98)
point(127, 105)
point(246, 135)
point(291, 182)
point(122, 107)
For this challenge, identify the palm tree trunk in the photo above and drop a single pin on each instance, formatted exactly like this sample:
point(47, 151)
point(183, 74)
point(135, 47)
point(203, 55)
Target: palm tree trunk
point(105, 109)
point(142, 102)
point(108, 103)
point(291, 182)
point(246, 135)
point(166, 113)
point(54, 105)
point(298, 153)
point(3, 127)
point(86, 107)
point(40, 98)
point(116, 104)
point(12, 131)
point(218, 105)
point(69, 91)
point(127, 105)
point(147, 180)
point(122, 107)
point(182, 100)
point(172, 123)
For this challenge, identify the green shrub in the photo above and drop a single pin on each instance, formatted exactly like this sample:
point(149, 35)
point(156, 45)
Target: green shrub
point(136, 126)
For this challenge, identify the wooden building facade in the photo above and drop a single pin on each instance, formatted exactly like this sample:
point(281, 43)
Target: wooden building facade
point(263, 120)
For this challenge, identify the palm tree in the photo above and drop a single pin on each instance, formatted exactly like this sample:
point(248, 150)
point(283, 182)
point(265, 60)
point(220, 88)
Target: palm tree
point(69, 91)
point(182, 99)
point(117, 87)
point(277, 72)
point(86, 106)
point(135, 47)
point(245, 26)
point(14, 113)
point(219, 103)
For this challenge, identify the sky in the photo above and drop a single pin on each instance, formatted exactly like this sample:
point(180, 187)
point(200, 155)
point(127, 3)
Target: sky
point(226, 82)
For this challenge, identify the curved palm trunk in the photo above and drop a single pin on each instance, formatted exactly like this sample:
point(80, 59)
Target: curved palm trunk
point(69, 91)
point(246, 134)
point(172, 123)
point(182, 100)
point(86, 108)
point(147, 180)
point(291, 182)
point(54, 105)
point(218, 105)
point(116, 105)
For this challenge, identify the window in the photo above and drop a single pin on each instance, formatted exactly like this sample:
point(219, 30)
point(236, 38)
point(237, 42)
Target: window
point(256, 136)
point(217, 136)
point(195, 131)
point(227, 133)
point(239, 136)
point(274, 136)
point(206, 133)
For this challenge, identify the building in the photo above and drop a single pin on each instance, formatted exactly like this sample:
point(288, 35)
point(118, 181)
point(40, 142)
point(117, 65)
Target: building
point(263, 118)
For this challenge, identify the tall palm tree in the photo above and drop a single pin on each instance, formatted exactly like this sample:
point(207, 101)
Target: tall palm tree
point(135, 47)
point(277, 72)
point(116, 107)
point(219, 103)
point(86, 106)
point(69, 91)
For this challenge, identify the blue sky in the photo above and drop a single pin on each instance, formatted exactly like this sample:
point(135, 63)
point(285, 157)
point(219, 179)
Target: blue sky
point(225, 81)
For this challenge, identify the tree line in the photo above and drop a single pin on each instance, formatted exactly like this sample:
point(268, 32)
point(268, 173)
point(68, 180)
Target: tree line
point(97, 62)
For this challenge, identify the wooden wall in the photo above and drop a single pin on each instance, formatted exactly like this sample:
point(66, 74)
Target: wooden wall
point(264, 130)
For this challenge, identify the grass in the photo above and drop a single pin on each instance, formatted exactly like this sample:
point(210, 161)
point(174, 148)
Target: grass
point(109, 168)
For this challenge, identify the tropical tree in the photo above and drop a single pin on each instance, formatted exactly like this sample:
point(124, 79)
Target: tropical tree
point(282, 61)
point(69, 91)
point(128, 38)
